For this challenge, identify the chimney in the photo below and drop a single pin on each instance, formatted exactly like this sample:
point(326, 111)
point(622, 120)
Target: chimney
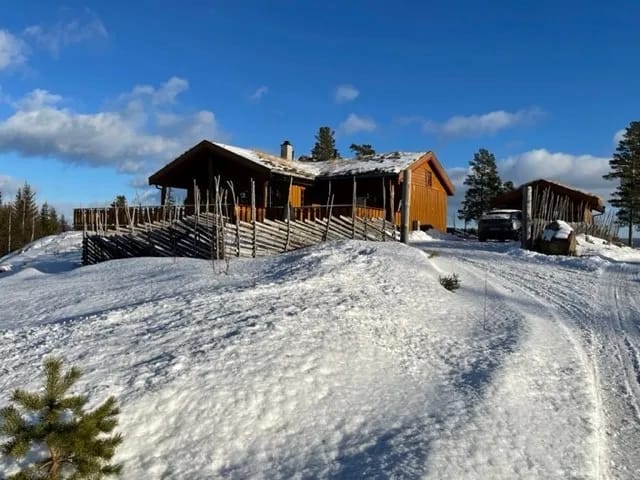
point(286, 150)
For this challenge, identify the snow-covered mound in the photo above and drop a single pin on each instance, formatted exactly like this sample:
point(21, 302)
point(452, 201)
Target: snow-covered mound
point(597, 247)
point(52, 254)
point(345, 360)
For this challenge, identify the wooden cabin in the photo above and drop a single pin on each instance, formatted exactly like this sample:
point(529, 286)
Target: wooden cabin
point(379, 185)
point(565, 202)
point(305, 188)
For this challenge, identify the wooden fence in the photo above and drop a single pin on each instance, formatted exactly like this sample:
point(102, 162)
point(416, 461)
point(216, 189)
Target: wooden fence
point(547, 206)
point(212, 236)
point(115, 218)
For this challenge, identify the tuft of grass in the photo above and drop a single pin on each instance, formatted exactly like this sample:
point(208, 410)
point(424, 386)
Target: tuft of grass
point(450, 282)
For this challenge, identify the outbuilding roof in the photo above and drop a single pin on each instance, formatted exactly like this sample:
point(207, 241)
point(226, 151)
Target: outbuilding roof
point(514, 198)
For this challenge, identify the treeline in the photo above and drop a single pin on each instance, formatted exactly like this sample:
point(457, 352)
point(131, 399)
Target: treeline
point(22, 220)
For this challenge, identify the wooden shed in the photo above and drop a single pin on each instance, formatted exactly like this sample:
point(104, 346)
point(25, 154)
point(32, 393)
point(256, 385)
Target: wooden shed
point(570, 204)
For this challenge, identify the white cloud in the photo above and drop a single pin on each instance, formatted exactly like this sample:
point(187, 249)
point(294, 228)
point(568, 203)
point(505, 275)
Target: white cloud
point(8, 186)
point(259, 93)
point(70, 31)
point(582, 171)
point(36, 99)
point(346, 93)
point(477, 125)
point(354, 124)
point(13, 51)
point(618, 136)
point(165, 94)
point(140, 132)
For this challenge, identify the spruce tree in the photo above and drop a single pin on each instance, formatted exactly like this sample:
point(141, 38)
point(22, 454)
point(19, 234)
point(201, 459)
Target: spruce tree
point(325, 146)
point(48, 221)
point(73, 443)
point(120, 201)
point(362, 150)
point(4, 226)
point(63, 224)
point(483, 184)
point(625, 167)
point(25, 212)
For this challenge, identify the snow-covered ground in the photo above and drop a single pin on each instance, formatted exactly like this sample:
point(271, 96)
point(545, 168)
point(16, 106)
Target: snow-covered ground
point(345, 360)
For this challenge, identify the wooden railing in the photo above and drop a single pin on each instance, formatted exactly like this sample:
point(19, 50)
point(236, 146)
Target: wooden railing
point(110, 218)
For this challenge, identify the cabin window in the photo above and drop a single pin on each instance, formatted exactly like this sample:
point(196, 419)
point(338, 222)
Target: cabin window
point(429, 179)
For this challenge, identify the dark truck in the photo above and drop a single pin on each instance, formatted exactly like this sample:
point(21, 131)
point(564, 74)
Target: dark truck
point(500, 225)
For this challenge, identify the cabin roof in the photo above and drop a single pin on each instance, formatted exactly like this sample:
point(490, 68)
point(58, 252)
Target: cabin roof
point(391, 163)
point(272, 162)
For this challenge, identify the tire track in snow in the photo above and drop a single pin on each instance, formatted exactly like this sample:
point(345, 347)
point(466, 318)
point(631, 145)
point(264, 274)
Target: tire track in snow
point(619, 352)
point(508, 277)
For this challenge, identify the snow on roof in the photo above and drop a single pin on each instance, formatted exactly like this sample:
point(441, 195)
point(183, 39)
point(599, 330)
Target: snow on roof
point(393, 162)
point(272, 162)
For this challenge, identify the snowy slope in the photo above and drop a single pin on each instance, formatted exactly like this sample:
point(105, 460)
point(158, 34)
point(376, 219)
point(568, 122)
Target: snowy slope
point(343, 360)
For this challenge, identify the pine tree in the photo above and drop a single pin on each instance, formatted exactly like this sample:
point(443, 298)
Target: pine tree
point(508, 186)
point(625, 167)
point(170, 201)
point(483, 184)
point(48, 223)
point(362, 150)
point(25, 212)
point(63, 224)
point(120, 201)
point(74, 442)
point(325, 146)
point(4, 226)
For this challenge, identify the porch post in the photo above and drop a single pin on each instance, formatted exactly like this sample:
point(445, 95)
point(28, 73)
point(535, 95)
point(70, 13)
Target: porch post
point(163, 195)
point(265, 197)
point(406, 206)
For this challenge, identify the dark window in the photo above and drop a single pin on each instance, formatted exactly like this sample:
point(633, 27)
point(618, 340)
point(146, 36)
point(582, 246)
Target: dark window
point(429, 179)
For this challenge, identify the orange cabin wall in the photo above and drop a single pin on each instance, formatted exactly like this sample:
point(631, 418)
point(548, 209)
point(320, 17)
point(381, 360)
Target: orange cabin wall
point(428, 203)
point(297, 195)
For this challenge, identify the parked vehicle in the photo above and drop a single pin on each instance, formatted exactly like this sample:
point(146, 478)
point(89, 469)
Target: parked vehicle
point(500, 225)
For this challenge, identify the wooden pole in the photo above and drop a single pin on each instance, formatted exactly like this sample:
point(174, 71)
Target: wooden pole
point(288, 215)
point(326, 232)
point(406, 206)
point(163, 196)
point(364, 232)
point(253, 217)
point(392, 202)
point(353, 210)
point(9, 238)
point(236, 215)
point(329, 198)
point(526, 216)
point(265, 195)
point(384, 209)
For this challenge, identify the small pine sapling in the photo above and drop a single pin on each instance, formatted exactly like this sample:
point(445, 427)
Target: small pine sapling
point(450, 282)
point(69, 442)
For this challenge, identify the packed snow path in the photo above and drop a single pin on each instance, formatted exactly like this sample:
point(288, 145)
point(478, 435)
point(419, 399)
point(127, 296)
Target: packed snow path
point(343, 360)
point(596, 301)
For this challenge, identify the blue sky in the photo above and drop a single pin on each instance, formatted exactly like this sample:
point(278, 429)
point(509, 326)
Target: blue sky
point(94, 96)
